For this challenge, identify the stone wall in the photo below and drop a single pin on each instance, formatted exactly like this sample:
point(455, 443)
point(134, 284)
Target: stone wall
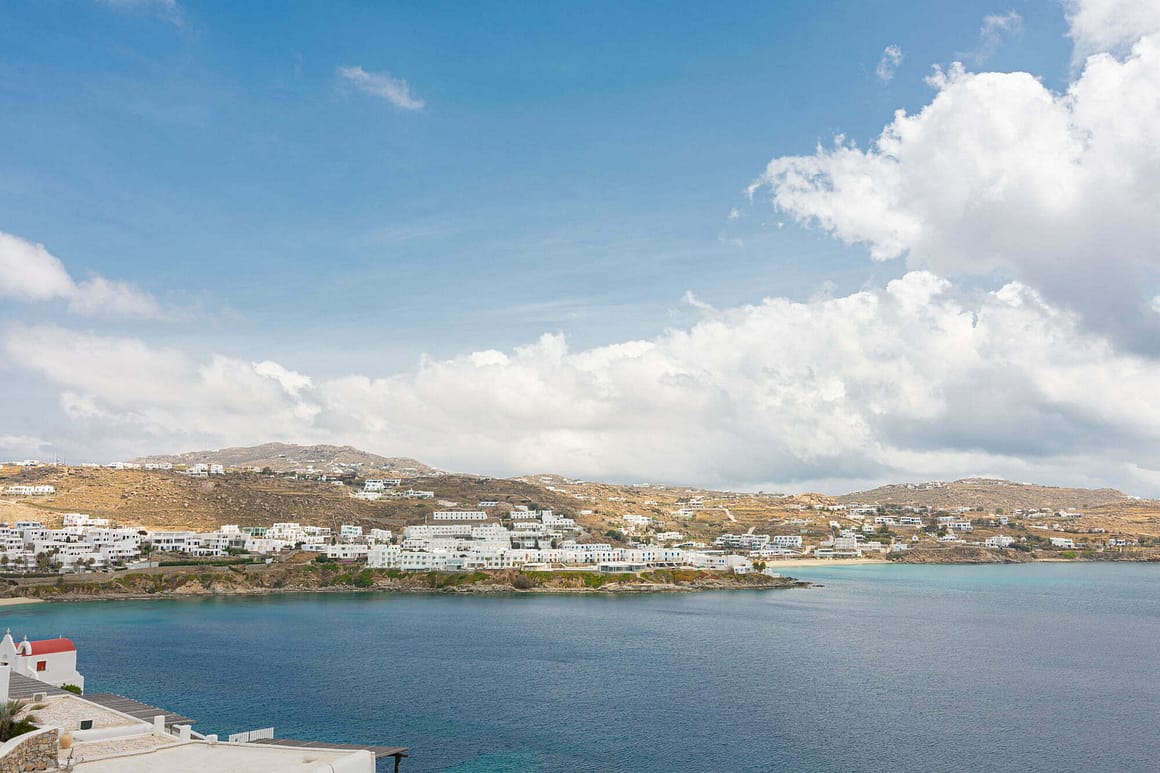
point(32, 751)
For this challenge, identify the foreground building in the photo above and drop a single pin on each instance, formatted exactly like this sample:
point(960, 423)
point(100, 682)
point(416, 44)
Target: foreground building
point(108, 733)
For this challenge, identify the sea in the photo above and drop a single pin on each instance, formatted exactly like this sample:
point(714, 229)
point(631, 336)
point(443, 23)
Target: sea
point(1042, 667)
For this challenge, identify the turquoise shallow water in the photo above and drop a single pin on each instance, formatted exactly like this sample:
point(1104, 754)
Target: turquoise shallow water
point(997, 668)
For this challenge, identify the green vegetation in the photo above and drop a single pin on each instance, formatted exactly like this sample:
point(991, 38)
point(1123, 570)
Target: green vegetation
point(16, 718)
point(72, 688)
point(211, 562)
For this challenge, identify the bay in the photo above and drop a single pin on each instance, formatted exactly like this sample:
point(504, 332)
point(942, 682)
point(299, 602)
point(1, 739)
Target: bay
point(1047, 667)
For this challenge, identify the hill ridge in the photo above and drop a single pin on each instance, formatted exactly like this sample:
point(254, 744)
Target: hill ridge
point(292, 457)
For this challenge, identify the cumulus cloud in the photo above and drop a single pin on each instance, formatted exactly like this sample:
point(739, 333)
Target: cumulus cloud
point(29, 272)
point(891, 58)
point(383, 85)
point(1110, 25)
point(1061, 191)
point(917, 378)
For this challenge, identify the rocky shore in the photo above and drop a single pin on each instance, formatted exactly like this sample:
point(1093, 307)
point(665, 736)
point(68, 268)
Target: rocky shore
point(962, 555)
point(970, 554)
point(187, 582)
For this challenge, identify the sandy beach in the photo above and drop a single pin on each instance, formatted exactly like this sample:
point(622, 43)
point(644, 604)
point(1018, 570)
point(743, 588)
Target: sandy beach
point(789, 562)
point(17, 600)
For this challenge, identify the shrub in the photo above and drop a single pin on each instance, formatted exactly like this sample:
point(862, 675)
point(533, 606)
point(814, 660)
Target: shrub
point(72, 688)
point(16, 718)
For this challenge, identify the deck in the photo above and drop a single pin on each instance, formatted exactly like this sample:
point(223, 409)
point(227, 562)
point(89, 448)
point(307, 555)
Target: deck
point(24, 687)
point(137, 709)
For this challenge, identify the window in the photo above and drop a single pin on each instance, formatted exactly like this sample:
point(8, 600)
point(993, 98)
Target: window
point(42, 665)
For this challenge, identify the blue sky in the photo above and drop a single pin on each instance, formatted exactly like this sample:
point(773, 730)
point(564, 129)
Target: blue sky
point(572, 168)
point(562, 169)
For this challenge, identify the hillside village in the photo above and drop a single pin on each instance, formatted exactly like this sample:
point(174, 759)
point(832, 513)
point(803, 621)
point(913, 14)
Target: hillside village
point(91, 518)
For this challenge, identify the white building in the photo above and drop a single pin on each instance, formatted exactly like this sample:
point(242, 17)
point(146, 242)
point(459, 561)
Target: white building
point(30, 491)
point(742, 541)
point(80, 519)
point(53, 661)
point(459, 515)
point(343, 551)
point(384, 557)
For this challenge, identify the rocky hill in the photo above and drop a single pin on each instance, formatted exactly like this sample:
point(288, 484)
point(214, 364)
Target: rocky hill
point(169, 499)
point(287, 457)
point(988, 493)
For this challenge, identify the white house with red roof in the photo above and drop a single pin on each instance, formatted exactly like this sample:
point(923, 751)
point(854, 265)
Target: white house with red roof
point(53, 661)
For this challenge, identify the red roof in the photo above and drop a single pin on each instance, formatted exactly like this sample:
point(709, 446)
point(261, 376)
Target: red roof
point(49, 646)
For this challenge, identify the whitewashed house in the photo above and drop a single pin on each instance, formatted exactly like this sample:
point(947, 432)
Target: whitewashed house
point(53, 661)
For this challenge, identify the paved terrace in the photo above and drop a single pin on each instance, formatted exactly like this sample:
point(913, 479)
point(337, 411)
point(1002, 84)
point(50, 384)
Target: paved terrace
point(231, 758)
point(68, 711)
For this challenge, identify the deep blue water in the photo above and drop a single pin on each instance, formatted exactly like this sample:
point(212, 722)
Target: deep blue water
point(997, 668)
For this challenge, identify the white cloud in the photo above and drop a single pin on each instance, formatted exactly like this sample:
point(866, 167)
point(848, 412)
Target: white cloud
point(1110, 25)
point(891, 58)
point(916, 379)
point(995, 28)
point(29, 272)
point(998, 172)
point(22, 443)
point(382, 84)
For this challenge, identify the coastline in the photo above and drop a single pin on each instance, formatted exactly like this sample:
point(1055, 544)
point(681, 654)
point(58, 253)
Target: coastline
point(815, 562)
point(313, 579)
point(206, 581)
point(16, 601)
point(479, 591)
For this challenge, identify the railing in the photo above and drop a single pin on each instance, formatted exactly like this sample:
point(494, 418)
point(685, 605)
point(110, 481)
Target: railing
point(251, 735)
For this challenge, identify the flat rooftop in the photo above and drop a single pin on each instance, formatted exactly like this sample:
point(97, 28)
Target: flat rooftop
point(198, 757)
point(67, 711)
point(111, 747)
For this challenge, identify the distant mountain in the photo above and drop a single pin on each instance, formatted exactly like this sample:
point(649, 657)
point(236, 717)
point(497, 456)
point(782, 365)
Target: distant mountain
point(287, 457)
point(988, 493)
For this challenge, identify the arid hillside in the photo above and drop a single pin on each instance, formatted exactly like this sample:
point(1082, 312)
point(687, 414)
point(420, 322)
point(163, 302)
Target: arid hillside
point(172, 500)
point(988, 493)
point(169, 499)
